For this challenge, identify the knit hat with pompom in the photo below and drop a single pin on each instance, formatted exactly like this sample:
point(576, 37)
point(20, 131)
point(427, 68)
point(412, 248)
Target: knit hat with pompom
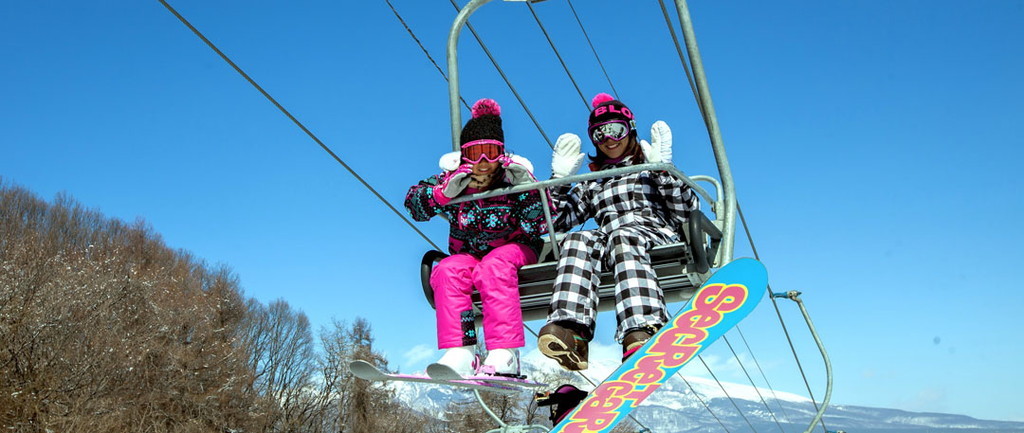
point(485, 124)
point(608, 108)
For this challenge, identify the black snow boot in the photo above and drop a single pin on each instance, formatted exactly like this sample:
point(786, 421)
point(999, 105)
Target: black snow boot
point(563, 400)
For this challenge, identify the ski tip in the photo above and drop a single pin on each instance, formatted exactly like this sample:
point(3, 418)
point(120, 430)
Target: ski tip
point(442, 372)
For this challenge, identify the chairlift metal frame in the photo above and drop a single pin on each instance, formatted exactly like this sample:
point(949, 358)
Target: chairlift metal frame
point(681, 268)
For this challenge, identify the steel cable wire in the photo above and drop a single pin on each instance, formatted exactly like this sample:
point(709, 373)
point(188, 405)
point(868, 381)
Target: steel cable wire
point(593, 50)
point(785, 414)
point(586, 105)
point(778, 312)
point(722, 387)
point(707, 121)
point(422, 48)
point(701, 400)
point(507, 81)
point(751, 379)
point(295, 120)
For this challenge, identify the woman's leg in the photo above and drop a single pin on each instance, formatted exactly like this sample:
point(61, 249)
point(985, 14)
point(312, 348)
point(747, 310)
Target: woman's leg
point(576, 280)
point(639, 301)
point(452, 281)
point(497, 280)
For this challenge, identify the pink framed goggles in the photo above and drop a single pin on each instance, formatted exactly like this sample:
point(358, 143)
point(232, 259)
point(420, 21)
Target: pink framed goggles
point(612, 129)
point(479, 150)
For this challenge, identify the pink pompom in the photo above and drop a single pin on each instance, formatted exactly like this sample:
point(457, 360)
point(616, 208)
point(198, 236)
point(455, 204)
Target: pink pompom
point(601, 98)
point(485, 107)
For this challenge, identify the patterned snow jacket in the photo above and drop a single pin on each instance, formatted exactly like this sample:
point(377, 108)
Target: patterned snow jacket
point(479, 226)
point(649, 198)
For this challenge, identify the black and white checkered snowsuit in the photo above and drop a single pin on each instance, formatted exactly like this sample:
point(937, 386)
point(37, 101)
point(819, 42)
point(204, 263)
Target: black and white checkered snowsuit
point(634, 212)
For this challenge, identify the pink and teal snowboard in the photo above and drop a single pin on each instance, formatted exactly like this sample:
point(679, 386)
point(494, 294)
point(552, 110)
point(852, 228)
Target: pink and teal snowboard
point(722, 302)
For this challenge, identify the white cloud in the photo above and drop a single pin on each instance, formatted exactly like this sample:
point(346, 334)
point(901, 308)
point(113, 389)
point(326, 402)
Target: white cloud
point(926, 400)
point(418, 354)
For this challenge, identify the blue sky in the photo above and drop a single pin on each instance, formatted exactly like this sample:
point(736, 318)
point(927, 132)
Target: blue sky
point(875, 147)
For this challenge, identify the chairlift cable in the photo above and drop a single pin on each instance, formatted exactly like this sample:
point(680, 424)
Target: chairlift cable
point(701, 400)
point(722, 387)
point(682, 59)
point(586, 105)
point(424, 49)
point(785, 330)
point(592, 49)
point(294, 120)
point(785, 414)
point(751, 379)
point(507, 82)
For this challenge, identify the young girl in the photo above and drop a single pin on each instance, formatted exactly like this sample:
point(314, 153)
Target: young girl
point(635, 212)
point(490, 239)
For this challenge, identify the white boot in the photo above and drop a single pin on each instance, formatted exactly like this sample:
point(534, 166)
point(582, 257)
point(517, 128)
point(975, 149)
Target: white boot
point(461, 359)
point(502, 361)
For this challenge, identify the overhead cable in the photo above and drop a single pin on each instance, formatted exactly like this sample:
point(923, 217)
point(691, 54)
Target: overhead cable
point(424, 49)
point(751, 379)
point(722, 387)
point(778, 313)
point(586, 105)
point(592, 49)
point(294, 120)
point(682, 60)
point(507, 81)
point(785, 414)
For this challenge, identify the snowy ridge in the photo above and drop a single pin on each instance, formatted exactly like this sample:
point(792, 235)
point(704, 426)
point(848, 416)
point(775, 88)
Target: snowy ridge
point(676, 408)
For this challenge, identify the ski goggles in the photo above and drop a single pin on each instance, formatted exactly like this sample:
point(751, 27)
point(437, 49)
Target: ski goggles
point(479, 150)
point(612, 129)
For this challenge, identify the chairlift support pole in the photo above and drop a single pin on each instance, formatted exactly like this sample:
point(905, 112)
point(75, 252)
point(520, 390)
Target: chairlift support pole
point(453, 64)
point(453, 68)
point(717, 145)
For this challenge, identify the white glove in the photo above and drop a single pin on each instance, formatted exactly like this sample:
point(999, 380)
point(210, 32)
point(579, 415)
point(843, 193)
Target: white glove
point(567, 158)
point(450, 161)
point(661, 140)
point(651, 154)
point(518, 170)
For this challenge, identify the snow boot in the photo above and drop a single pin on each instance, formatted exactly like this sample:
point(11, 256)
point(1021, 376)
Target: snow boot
point(563, 344)
point(461, 359)
point(502, 362)
point(636, 338)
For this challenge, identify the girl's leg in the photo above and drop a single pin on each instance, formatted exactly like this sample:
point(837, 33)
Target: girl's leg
point(452, 281)
point(573, 309)
point(639, 301)
point(576, 279)
point(497, 281)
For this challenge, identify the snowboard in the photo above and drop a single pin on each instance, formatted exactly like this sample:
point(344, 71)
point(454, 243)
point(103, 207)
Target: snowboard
point(366, 371)
point(723, 301)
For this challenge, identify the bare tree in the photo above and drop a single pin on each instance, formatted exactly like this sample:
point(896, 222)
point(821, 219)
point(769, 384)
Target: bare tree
point(107, 329)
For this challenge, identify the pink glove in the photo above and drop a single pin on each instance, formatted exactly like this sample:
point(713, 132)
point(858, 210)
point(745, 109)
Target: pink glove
point(518, 170)
point(453, 184)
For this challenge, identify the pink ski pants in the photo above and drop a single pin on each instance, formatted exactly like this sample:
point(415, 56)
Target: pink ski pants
point(453, 280)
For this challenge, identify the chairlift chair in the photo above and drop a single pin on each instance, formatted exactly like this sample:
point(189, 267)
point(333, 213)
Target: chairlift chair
point(681, 267)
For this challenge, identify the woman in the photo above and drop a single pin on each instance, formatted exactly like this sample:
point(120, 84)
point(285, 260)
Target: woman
point(489, 240)
point(634, 213)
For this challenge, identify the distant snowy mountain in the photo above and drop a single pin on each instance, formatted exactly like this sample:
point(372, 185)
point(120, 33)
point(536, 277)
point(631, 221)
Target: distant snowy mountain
point(676, 408)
